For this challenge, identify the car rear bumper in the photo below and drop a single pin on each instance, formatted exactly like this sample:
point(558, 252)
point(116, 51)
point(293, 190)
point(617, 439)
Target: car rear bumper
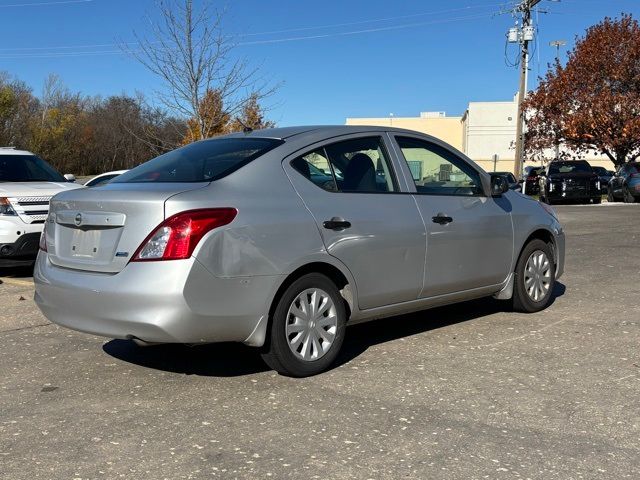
point(158, 302)
point(584, 195)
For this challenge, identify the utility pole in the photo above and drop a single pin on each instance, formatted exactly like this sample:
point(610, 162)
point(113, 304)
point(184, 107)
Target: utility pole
point(557, 44)
point(526, 36)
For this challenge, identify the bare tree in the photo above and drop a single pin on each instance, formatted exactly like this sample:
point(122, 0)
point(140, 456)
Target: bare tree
point(190, 52)
point(53, 90)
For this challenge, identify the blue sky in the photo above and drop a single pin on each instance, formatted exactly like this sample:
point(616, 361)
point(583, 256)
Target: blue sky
point(334, 59)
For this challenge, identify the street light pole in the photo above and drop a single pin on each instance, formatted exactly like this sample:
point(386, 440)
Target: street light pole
point(557, 44)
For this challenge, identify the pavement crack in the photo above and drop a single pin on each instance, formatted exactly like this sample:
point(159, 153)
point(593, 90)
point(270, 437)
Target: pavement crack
point(5, 332)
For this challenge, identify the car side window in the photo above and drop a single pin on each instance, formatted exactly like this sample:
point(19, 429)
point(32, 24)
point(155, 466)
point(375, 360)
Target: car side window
point(353, 166)
point(315, 167)
point(437, 171)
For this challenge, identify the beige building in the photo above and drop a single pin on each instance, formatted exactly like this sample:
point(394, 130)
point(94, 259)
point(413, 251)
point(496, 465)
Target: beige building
point(447, 129)
point(486, 133)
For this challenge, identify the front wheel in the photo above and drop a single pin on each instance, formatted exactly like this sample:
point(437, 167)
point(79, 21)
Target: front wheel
point(534, 278)
point(628, 197)
point(307, 328)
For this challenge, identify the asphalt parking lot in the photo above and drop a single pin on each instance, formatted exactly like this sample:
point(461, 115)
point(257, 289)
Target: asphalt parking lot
point(462, 392)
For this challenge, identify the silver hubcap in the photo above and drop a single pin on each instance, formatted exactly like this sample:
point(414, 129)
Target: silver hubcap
point(537, 276)
point(312, 323)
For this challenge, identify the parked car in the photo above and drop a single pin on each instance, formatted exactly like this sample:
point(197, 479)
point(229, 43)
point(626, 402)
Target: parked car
point(103, 178)
point(26, 184)
point(625, 184)
point(531, 178)
point(511, 180)
point(572, 180)
point(604, 176)
point(230, 239)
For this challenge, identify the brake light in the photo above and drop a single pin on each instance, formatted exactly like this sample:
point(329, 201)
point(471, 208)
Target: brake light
point(176, 238)
point(42, 245)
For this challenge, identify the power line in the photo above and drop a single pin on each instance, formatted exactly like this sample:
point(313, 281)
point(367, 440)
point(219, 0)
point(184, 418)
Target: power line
point(369, 30)
point(42, 4)
point(257, 42)
point(318, 27)
point(375, 20)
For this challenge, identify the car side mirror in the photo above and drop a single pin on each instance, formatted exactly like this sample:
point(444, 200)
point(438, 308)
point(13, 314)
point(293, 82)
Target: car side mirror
point(499, 185)
point(70, 177)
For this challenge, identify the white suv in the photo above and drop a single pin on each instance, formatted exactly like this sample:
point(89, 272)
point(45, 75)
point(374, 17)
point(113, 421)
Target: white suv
point(27, 183)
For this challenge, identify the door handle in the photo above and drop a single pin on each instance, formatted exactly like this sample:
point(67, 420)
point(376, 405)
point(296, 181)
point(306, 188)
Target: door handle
point(336, 223)
point(442, 219)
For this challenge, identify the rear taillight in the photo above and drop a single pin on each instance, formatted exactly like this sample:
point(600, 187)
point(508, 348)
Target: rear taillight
point(43, 239)
point(176, 238)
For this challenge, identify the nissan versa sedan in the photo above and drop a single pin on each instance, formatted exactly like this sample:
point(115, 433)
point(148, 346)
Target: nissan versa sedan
point(236, 239)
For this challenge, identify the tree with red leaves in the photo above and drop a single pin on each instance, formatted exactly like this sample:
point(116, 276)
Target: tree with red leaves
point(593, 102)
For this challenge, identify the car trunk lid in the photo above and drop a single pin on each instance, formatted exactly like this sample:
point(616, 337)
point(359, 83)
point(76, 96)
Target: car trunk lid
point(99, 229)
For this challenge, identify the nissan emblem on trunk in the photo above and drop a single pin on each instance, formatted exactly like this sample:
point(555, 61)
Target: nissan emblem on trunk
point(78, 219)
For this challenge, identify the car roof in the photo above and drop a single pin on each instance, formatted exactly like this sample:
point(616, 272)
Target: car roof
point(283, 133)
point(13, 151)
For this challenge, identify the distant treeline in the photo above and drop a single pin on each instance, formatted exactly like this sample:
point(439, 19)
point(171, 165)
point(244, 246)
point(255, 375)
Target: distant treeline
point(89, 135)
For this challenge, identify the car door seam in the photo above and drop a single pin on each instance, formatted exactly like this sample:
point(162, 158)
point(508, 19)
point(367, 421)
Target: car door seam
point(426, 246)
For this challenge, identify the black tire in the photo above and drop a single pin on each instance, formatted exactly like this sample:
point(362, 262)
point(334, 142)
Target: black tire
point(277, 353)
point(542, 197)
point(610, 197)
point(628, 197)
point(522, 302)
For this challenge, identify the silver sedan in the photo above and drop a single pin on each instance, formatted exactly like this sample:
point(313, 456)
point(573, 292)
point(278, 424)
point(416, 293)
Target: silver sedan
point(280, 238)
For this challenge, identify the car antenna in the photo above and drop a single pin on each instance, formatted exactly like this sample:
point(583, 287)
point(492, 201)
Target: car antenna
point(245, 128)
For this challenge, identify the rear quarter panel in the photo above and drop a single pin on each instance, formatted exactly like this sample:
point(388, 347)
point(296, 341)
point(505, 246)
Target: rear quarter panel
point(272, 234)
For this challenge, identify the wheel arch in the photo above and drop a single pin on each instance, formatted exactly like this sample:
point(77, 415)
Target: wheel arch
point(345, 284)
point(546, 236)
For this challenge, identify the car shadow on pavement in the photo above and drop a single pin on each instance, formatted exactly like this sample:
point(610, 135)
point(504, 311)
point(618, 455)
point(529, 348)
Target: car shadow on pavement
point(21, 271)
point(210, 360)
point(362, 336)
point(234, 359)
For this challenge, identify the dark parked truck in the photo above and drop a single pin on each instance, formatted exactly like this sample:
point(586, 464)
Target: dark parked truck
point(572, 180)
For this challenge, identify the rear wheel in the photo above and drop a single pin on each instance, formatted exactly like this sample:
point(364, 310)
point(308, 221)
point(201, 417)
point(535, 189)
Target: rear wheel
point(307, 328)
point(534, 277)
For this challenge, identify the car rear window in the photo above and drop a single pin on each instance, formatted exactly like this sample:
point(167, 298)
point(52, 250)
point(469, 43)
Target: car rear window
point(202, 161)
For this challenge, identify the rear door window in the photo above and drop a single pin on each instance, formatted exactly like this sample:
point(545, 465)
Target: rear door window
point(202, 161)
point(360, 165)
